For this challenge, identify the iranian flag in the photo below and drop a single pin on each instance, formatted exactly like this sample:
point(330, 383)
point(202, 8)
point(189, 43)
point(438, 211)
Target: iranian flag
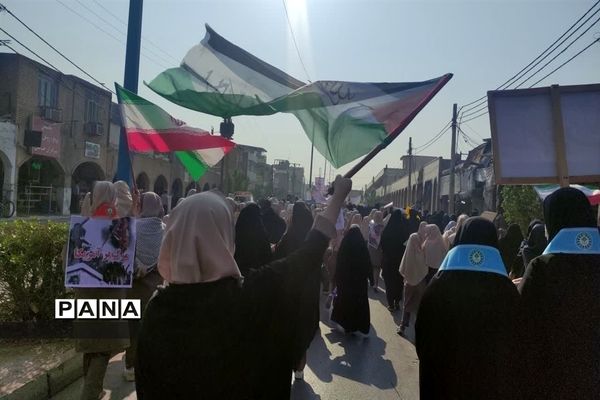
point(149, 128)
point(344, 120)
point(591, 192)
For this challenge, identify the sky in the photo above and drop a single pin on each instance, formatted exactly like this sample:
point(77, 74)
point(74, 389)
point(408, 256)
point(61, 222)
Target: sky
point(483, 43)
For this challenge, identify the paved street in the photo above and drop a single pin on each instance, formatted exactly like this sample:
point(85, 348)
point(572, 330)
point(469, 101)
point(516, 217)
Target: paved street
point(381, 366)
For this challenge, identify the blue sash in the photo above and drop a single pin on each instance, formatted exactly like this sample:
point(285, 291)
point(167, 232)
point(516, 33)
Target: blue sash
point(575, 241)
point(477, 258)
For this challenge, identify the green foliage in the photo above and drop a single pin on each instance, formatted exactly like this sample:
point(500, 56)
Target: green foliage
point(521, 205)
point(31, 270)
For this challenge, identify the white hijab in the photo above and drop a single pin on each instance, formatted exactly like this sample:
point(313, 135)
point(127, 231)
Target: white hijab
point(124, 199)
point(103, 192)
point(199, 244)
point(412, 266)
point(433, 247)
point(450, 234)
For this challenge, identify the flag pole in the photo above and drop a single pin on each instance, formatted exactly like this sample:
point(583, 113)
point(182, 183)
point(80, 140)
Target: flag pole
point(130, 82)
point(390, 138)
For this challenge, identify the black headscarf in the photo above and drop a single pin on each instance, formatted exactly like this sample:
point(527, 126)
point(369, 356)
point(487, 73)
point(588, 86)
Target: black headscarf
point(532, 224)
point(395, 233)
point(536, 243)
point(300, 224)
point(510, 245)
point(273, 223)
point(353, 253)
point(252, 248)
point(477, 230)
point(567, 208)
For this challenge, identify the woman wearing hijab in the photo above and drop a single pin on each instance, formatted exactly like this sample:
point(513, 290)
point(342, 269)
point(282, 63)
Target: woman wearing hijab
point(91, 336)
point(375, 231)
point(198, 328)
point(354, 271)
point(273, 223)
point(149, 233)
point(308, 323)
point(364, 225)
point(450, 234)
point(534, 246)
point(560, 305)
point(434, 249)
point(125, 204)
point(104, 200)
point(414, 271)
point(252, 248)
point(509, 247)
point(392, 244)
point(466, 321)
point(86, 205)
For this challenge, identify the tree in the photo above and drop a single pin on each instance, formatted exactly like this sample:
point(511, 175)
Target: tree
point(521, 205)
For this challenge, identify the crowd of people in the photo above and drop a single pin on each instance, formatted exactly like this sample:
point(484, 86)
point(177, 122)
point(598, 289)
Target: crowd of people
point(231, 294)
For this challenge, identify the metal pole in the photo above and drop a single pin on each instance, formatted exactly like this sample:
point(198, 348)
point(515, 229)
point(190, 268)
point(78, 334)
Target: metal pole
point(452, 161)
point(130, 81)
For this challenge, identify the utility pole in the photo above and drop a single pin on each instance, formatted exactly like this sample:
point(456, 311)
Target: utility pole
point(130, 82)
point(408, 193)
point(452, 161)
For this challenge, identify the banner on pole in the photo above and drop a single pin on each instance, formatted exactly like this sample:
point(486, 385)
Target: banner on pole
point(100, 252)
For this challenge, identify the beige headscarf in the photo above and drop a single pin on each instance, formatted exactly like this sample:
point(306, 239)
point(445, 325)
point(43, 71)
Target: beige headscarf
point(151, 206)
point(124, 199)
point(198, 244)
point(422, 231)
point(412, 266)
point(378, 218)
point(103, 192)
point(364, 227)
point(433, 247)
point(86, 205)
point(451, 233)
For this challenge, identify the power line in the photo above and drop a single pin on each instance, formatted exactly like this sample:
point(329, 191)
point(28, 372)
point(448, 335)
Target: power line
point(484, 105)
point(28, 49)
point(116, 28)
point(125, 23)
point(475, 117)
point(545, 76)
point(52, 47)
point(421, 149)
point(561, 52)
point(436, 136)
point(517, 75)
point(566, 62)
point(106, 32)
point(287, 16)
point(474, 131)
point(468, 139)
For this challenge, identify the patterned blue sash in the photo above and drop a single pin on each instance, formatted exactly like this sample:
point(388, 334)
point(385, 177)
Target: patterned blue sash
point(575, 241)
point(477, 258)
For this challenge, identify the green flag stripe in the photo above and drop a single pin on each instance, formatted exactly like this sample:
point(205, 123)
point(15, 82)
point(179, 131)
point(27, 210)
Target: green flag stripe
point(195, 167)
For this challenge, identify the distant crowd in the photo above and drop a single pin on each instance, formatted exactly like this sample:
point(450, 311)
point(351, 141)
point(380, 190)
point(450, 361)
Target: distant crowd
point(231, 294)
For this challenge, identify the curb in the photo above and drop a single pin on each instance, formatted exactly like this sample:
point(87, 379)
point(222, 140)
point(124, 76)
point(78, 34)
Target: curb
point(51, 382)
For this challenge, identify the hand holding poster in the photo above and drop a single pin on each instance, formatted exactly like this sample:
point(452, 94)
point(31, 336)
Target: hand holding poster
point(100, 253)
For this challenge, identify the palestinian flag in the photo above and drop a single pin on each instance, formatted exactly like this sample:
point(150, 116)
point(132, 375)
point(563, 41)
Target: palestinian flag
point(344, 120)
point(219, 78)
point(149, 128)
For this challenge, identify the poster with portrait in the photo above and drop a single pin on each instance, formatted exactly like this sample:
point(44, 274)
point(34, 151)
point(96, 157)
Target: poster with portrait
point(100, 252)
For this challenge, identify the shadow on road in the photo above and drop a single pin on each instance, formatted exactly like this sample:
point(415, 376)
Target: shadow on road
point(301, 390)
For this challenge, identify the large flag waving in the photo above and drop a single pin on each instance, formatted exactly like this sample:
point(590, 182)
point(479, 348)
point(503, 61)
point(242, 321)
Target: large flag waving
point(149, 128)
point(344, 120)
